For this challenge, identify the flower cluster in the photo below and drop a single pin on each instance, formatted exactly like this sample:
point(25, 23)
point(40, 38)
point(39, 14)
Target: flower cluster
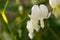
point(38, 13)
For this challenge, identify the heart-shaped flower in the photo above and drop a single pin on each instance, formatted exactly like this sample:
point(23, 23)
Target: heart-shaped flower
point(37, 13)
point(31, 26)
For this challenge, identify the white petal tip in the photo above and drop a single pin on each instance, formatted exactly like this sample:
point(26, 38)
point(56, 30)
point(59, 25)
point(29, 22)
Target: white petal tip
point(37, 29)
point(30, 35)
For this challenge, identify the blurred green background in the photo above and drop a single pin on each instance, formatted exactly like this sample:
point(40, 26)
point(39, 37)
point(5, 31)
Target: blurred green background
point(17, 12)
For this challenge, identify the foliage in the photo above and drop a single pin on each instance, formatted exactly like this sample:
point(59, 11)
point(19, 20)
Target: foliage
point(13, 22)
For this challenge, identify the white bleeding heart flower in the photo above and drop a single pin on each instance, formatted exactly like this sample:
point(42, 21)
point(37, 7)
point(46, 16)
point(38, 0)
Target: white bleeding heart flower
point(44, 14)
point(55, 4)
point(39, 13)
point(35, 12)
point(31, 35)
point(35, 23)
point(30, 26)
point(44, 11)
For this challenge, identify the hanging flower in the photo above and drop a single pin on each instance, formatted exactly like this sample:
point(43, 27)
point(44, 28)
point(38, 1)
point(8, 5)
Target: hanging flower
point(30, 28)
point(38, 13)
point(55, 4)
point(43, 15)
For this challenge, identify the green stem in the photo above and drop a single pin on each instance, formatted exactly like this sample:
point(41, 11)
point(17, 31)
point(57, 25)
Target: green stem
point(4, 16)
point(5, 6)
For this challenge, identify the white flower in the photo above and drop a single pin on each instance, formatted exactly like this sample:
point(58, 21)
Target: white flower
point(44, 11)
point(39, 13)
point(35, 12)
point(30, 26)
point(55, 4)
point(35, 24)
point(44, 14)
point(31, 35)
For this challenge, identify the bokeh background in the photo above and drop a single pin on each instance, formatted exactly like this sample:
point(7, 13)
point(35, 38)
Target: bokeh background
point(17, 12)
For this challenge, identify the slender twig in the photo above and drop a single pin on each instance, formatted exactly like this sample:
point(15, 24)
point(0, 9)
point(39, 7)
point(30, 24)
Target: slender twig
point(4, 16)
point(5, 6)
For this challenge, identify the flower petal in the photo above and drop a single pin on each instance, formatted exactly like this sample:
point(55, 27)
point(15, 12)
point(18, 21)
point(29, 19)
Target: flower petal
point(30, 26)
point(35, 12)
point(42, 23)
point(53, 3)
point(31, 35)
point(35, 23)
point(44, 11)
